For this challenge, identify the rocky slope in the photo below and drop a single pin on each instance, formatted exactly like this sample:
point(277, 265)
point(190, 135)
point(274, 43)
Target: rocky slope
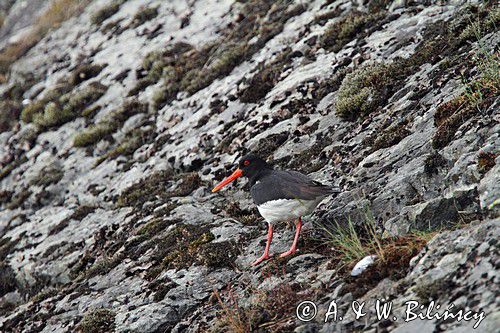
point(118, 117)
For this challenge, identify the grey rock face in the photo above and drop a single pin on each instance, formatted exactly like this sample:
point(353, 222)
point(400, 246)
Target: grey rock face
point(105, 198)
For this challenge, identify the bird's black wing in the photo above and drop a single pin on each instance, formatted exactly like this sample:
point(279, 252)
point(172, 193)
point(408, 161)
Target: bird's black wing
point(288, 185)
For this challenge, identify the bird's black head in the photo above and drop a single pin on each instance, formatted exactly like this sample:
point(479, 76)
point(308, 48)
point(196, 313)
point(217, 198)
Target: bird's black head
point(252, 165)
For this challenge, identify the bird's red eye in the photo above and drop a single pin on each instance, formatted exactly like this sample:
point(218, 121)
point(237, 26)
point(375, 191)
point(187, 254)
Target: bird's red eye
point(247, 162)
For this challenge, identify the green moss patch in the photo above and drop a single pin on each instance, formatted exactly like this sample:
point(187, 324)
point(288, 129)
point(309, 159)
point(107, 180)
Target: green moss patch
point(97, 321)
point(183, 68)
point(179, 248)
point(82, 211)
point(37, 106)
point(94, 134)
point(148, 189)
point(105, 12)
point(153, 188)
point(349, 27)
point(362, 91)
point(10, 102)
point(217, 255)
point(91, 111)
point(265, 78)
point(106, 127)
point(155, 227)
point(154, 63)
point(51, 174)
point(391, 135)
point(369, 87)
point(6, 170)
point(186, 245)
point(103, 266)
point(44, 294)
point(143, 15)
point(84, 72)
point(58, 107)
point(132, 141)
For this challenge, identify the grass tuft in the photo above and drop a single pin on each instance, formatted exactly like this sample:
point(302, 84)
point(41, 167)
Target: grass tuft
point(345, 240)
point(478, 94)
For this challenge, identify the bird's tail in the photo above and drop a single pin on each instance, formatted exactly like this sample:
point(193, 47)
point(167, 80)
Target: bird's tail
point(327, 189)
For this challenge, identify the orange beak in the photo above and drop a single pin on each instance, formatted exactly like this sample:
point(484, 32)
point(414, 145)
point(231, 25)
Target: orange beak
point(237, 173)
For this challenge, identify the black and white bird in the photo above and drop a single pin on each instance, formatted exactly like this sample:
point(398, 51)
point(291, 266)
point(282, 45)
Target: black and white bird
point(280, 196)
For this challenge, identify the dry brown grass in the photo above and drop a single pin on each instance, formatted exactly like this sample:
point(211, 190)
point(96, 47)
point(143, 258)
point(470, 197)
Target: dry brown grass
point(233, 318)
point(269, 310)
point(58, 12)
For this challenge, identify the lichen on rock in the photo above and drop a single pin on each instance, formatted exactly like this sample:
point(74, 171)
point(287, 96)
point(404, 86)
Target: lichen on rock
point(118, 117)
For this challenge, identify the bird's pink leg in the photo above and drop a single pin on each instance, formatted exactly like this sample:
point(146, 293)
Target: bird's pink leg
point(295, 240)
point(266, 255)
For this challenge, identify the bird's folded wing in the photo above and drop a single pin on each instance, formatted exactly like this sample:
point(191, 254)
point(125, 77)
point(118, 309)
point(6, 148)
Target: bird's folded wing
point(288, 185)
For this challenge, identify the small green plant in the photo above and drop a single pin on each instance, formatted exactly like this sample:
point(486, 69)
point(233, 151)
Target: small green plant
point(345, 240)
point(487, 81)
point(363, 90)
point(96, 321)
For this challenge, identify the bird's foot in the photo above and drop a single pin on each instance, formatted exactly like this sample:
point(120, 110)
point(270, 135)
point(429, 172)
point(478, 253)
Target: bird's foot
point(261, 259)
point(287, 253)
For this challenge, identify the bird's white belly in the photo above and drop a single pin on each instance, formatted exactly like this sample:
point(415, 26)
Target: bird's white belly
point(286, 209)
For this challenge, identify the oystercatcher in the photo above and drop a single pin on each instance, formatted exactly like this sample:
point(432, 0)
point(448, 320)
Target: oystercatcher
point(279, 195)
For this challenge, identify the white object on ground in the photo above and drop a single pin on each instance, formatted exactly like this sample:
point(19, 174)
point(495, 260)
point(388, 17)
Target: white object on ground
point(362, 265)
